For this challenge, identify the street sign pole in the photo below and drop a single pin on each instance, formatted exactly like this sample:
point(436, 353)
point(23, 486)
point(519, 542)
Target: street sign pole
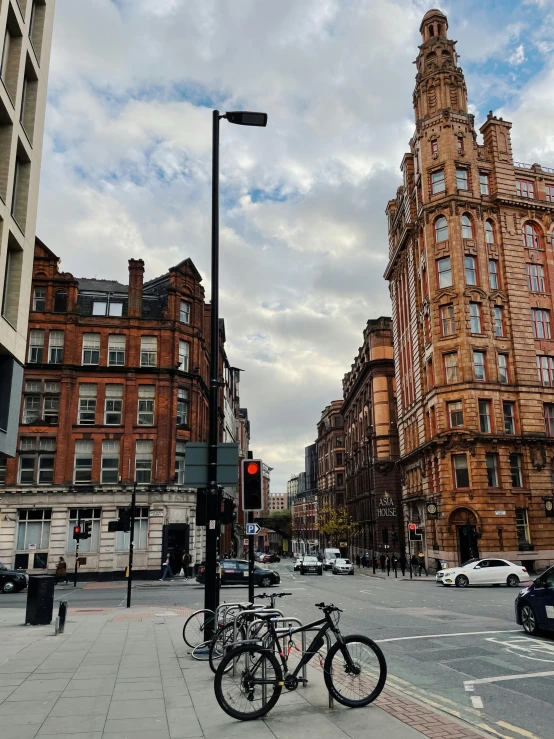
point(251, 538)
point(211, 591)
point(131, 544)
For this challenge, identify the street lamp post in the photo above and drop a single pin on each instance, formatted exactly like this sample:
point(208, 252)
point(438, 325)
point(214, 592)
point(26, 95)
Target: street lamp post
point(211, 592)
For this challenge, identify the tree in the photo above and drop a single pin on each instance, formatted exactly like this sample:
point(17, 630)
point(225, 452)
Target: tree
point(280, 521)
point(336, 524)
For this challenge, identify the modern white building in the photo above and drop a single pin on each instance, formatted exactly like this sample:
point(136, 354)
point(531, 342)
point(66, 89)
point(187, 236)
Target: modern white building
point(26, 34)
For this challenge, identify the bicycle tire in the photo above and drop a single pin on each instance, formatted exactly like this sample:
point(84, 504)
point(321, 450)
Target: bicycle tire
point(334, 685)
point(223, 642)
point(245, 657)
point(201, 653)
point(193, 630)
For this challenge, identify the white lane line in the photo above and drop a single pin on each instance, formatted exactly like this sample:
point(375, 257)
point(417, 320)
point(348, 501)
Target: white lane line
point(441, 636)
point(476, 701)
point(499, 678)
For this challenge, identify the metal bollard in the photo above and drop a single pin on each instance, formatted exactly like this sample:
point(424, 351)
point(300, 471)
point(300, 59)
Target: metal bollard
point(60, 620)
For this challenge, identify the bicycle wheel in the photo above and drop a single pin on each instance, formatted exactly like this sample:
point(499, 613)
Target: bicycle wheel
point(355, 689)
point(223, 642)
point(193, 630)
point(248, 682)
point(201, 653)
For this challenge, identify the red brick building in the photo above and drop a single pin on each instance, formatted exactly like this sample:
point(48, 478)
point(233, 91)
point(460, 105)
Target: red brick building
point(331, 484)
point(373, 490)
point(471, 273)
point(304, 523)
point(115, 385)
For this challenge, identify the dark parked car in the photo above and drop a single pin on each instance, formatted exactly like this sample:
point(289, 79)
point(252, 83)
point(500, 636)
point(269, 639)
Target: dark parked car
point(235, 572)
point(11, 581)
point(267, 558)
point(311, 564)
point(535, 604)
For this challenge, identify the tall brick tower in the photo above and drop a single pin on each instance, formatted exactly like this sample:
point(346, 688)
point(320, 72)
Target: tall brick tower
point(470, 247)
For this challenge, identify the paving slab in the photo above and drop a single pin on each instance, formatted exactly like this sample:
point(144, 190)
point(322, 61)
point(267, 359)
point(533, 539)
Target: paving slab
point(124, 675)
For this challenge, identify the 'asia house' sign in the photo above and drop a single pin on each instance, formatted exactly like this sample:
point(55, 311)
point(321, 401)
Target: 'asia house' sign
point(386, 507)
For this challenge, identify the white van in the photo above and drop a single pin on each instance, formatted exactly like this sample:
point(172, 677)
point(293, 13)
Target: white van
point(329, 557)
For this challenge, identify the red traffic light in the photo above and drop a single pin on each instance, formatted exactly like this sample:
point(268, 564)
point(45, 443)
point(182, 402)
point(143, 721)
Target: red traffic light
point(253, 468)
point(412, 526)
point(76, 529)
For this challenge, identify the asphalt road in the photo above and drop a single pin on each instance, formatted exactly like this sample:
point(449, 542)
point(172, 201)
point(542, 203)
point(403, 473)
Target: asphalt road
point(459, 650)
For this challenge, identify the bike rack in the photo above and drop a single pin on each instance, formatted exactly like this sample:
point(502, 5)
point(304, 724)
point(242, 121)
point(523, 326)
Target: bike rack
point(329, 644)
point(224, 609)
point(249, 612)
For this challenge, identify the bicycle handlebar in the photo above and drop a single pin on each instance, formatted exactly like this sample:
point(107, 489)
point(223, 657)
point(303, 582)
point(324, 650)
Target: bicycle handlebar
point(271, 595)
point(328, 607)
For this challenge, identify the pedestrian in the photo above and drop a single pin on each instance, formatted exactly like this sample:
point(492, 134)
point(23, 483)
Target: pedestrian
point(186, 564)
point(167, 568)
point(358, 561)
point(421, 563)
point(61, 571)
point(388, 566)
point(395, 564)
point(413, 564)
point(382, 560)
point(403, 563)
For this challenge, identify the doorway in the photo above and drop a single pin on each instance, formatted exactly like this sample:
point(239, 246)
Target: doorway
point(176, 542)
point(468, 547)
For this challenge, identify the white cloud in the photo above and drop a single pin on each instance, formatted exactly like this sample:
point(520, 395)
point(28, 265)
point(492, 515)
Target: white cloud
point(517, 57)
point(127, 169)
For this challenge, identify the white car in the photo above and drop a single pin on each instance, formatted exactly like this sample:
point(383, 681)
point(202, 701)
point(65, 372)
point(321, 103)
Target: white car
point(343, 567)
point(489, 571)
point(298, 563)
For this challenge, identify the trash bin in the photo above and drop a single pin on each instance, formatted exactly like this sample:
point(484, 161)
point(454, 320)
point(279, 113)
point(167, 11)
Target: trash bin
point(40, 600)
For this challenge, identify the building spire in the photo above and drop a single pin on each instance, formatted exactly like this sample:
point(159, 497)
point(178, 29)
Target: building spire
point(440, 83)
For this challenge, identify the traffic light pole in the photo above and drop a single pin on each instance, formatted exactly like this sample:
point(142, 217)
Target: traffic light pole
point(251, 560)
point(76, 553)
point(211, 591)
point(131, 544)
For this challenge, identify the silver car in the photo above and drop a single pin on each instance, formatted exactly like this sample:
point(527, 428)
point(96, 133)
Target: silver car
point(343, 567)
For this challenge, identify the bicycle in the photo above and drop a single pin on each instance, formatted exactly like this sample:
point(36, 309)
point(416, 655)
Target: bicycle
point(195, 625)
point(228, 634)
point(250, 677)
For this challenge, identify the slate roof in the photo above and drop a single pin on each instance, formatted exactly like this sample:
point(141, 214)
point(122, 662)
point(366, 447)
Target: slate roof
point(103, 286)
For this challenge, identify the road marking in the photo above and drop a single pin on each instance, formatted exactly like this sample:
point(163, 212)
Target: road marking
point(498, 678)
point(443, 636)
point(523, 732)
point(476, 701)
point(469, 688)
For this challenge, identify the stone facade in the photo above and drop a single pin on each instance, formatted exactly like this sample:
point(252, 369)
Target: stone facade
point(330, 460)
point(471, 272)
point(116, 384)
point(373, 493)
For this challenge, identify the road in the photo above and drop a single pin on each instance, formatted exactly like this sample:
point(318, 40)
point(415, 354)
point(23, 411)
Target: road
point(459, 650)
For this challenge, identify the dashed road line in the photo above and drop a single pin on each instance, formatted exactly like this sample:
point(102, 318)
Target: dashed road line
point(476, 701)
point(502, 678)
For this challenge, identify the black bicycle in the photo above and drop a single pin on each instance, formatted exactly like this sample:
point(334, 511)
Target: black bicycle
point(250, 677)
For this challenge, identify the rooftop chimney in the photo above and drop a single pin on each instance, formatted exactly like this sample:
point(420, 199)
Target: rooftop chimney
point(136, 277)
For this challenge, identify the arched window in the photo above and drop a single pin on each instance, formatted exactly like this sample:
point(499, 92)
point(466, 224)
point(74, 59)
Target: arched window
point(489, 232)
point(441, 229)
point(60, 301)
point(530, 235)
point(467, 227)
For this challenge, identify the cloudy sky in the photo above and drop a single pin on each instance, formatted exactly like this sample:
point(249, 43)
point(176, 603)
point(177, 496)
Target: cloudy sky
point(126, 166)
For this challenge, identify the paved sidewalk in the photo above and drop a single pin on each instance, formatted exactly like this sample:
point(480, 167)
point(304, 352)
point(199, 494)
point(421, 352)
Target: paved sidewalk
point(126, 674)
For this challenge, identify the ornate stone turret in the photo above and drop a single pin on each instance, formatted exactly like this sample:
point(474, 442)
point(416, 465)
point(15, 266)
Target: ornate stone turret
point(440, 83)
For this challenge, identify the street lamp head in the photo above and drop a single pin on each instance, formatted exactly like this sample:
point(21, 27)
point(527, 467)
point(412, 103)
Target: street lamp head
point(246, 118)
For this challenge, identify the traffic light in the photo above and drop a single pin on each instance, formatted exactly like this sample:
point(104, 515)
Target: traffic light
point(86, 533)
point(122, 524)
point(415, 534)
point(77, 532)
point(227, 511)
point(125, 519)
point(252, 485)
